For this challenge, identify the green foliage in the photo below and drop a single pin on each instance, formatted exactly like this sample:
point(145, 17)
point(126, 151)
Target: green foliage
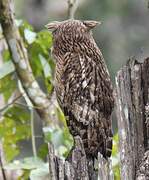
point(15, 125)
point(115, 158)
point(34, 168)
point(43, 151)
point(6, 69)
point(38, 45)
point(47, 73)
point(26, 163)
point(7, 86)
point(60, 138)
point(14, 128)
point(40, 173)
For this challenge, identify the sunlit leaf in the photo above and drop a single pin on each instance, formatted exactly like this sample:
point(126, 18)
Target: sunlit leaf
point(43, 151)
point(46, 67)
point(14, 128)
point(24, 25)
point(29, 35)
point(61, 116)
point(18, 113)
point(40, 173)
point(44, 38)
point(59, 137)
point(6, 55)
point(115, 158)
point(62, 150)
point(115, 145)
point(26, 163)
point(34, 50)
point(7, 86)
point(6, 69)
point(18, 22)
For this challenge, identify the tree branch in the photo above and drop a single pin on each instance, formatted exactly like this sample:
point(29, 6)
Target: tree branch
point(72, 7)
point(21, 61)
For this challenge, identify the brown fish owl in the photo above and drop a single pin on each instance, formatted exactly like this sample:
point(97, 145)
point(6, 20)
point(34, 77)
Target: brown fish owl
point(83, 86)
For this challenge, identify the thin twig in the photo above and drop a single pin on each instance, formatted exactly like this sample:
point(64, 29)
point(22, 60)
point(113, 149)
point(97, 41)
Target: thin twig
point(33, 133)
point(72, 7)
point(11, 103)
point(2, 167)
point(25, 105)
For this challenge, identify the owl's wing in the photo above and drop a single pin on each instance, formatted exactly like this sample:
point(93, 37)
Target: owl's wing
point(87, 90)
point(85, 96)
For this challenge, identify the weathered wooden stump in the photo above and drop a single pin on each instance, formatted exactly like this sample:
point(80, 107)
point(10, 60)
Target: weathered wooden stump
point(78, 167)
point(132, 104)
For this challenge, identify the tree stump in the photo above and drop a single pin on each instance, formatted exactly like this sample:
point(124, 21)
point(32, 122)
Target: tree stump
point(132, 106)
point(78, 167)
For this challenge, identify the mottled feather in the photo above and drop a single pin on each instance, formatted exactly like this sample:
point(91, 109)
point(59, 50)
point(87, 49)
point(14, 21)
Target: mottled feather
point(83, 86)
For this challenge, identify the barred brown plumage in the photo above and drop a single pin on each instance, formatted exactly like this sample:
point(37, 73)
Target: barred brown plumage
point(83, 86)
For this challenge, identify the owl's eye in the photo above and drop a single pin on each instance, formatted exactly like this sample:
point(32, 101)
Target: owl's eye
point(54, 31)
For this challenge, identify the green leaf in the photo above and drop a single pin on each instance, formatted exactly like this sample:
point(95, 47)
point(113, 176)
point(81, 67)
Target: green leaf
point(61, 116)
point(116, 170)
point(18, 22)
point(43, 151)
point(59, 137)
point(6, 55)
point(53, 135)
point(30, 36)
point(13, 128)
point(115, 145)
point(7, 86)
point(7, 132)
point(38, 50)
point(6, 69)
point(40, 173)
point(24, 25)
point(34, 50)
point(115, 158)
point(46, 67)
point(44, 38)
point(47, 71)
point(31, 163)
point(62, 150)
point(26, 163)
point(18, 114)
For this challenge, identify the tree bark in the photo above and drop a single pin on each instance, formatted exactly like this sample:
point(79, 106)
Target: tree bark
point(21, 61)
point(132, 104)
point(78, 166)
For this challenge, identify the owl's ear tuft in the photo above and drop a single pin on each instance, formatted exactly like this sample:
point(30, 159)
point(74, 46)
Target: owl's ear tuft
point(52, 25)
point(91, 24)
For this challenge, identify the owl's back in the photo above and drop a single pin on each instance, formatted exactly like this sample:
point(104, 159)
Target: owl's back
point(84, 92)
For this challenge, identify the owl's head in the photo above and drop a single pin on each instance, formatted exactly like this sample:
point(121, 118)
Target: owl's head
point(71, 35)
point(71, 29)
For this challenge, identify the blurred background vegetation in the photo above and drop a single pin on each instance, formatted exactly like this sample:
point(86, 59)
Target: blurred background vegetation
point(122, 34)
